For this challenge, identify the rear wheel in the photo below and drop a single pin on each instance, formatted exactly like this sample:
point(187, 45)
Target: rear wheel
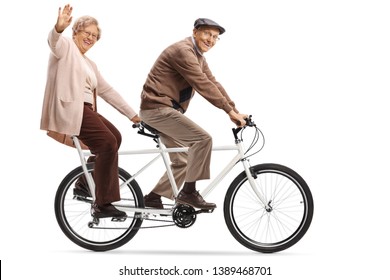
point(73, 213)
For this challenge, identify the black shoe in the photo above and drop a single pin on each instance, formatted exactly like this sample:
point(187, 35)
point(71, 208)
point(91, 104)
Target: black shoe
point(106, 211)
point(194, 199)
point(81, 189)
point(153, 202)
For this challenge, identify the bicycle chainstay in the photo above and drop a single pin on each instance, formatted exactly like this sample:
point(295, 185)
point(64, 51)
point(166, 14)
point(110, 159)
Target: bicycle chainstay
point(146, 218)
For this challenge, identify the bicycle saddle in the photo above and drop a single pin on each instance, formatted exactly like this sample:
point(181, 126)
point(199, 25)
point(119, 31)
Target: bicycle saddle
point(151, 129)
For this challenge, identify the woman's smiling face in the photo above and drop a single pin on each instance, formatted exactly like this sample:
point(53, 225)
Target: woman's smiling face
point(86, 38)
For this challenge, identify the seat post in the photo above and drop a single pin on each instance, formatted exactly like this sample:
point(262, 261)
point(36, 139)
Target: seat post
point(88, 176)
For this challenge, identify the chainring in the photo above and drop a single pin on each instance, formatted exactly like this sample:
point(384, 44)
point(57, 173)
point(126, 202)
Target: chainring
point(184, 216)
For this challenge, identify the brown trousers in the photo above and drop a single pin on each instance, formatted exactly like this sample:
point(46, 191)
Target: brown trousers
point(179, 131)
point(103, 140)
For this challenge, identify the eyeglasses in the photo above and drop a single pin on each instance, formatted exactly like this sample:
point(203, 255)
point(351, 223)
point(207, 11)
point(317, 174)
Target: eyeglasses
point(87, 34)
point(208, 34)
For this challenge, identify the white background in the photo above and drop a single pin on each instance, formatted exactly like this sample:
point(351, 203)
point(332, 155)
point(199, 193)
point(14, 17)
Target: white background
point(314, 75)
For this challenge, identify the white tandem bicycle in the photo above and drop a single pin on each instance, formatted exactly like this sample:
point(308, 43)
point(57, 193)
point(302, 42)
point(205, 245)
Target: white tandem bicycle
point(267, 208)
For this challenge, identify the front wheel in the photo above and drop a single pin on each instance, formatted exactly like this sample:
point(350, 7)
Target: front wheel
point(73, 213)
point(279, 224)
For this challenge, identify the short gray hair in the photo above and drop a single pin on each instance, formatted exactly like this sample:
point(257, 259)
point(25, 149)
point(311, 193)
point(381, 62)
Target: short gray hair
point(83, 22)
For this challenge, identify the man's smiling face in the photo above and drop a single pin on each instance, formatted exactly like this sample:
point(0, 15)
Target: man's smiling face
point(205, 37)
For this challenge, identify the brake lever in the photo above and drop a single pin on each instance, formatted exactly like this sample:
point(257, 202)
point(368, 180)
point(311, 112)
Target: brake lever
point(249, 121)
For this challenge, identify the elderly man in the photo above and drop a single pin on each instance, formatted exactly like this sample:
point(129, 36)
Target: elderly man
point(179, 72)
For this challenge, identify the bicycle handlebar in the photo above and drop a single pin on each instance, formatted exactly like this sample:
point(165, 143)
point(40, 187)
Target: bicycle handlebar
point(249, 122)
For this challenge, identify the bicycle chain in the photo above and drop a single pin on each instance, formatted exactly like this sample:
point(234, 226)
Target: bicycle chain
point(156, 220)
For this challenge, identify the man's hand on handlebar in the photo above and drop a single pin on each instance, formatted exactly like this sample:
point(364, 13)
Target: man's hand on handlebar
point(237, 118)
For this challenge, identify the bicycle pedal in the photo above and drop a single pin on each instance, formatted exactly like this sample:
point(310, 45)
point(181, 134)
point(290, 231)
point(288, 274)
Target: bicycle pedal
point(206, 210)
point(120, 219)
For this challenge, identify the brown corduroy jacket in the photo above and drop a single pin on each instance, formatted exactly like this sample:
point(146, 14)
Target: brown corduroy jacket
point(175, 76)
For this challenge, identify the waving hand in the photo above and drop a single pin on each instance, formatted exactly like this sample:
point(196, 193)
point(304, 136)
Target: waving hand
point(64, 18)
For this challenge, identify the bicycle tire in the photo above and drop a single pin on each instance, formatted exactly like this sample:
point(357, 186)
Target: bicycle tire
point(74, 216)
point(284, 224)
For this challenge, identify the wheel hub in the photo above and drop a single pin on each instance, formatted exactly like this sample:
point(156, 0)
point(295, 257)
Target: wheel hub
point(269, 208)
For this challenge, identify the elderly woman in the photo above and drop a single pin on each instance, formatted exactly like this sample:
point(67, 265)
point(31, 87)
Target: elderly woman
point(69, 106)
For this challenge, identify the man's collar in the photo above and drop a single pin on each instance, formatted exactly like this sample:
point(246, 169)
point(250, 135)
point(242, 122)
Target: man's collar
point(196, 47)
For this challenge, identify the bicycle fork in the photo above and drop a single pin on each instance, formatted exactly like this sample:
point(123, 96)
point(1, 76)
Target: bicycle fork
point(252, 177)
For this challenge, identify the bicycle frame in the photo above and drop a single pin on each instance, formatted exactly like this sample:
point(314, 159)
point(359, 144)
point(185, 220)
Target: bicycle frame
point(163, 151)
point(268, 207)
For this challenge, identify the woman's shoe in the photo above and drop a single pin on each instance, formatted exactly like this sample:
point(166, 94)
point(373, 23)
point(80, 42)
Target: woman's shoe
point(81, 189)
point(106, 211)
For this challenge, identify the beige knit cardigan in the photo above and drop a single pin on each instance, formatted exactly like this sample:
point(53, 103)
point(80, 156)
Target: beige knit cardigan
point(63, 101)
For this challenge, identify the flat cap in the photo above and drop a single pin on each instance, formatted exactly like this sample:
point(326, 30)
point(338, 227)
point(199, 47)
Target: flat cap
point(208, 22)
